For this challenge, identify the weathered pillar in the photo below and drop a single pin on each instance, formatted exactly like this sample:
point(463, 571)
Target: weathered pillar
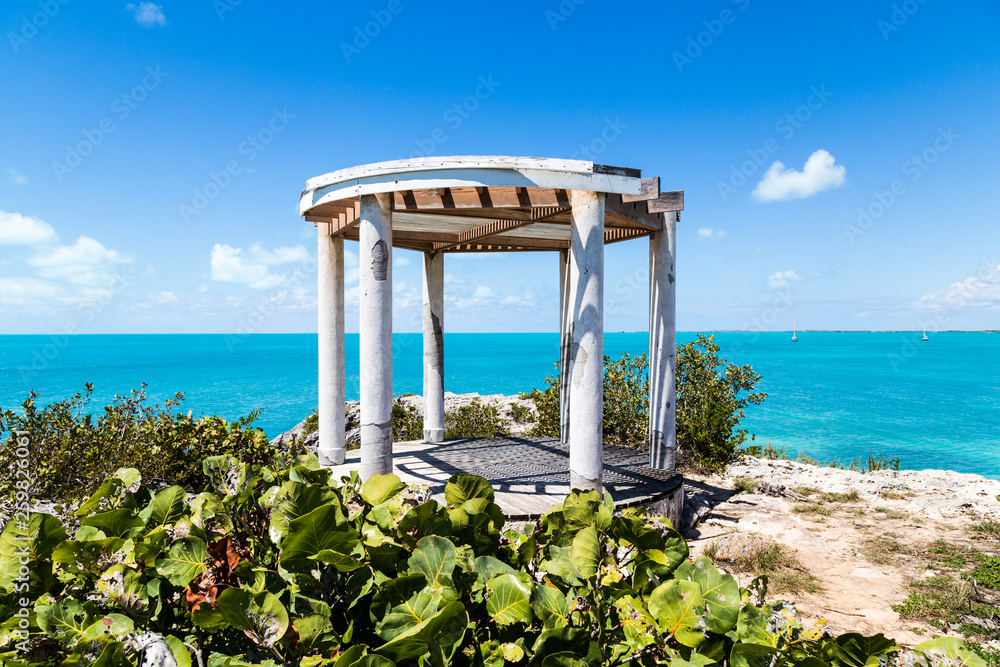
point(330, 258)
point(376, 335)
point(565, 343)
point(586, 400)
point(663, 345)
point(434, 347)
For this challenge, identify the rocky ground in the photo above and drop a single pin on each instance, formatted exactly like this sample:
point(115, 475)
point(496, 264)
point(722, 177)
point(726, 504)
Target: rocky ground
point(859, 553)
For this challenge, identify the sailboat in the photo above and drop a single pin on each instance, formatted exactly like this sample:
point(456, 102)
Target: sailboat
point(925, 334)
point(795, 339)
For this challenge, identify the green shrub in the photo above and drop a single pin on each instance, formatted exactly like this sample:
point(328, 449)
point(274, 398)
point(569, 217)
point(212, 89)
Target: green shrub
point(406, 422)
point(711, 397)
point(521, 414)
point(311, 425)
point(626, 400)
point(277, 566)
point(69, 450)
point(475, 420)
point(547, 407)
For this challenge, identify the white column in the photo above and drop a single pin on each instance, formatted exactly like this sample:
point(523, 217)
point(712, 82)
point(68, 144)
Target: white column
point(663, 345)
point(565, 343)
point(376, 335)
point(330, 257)
point(434, 347)
point(586, 400)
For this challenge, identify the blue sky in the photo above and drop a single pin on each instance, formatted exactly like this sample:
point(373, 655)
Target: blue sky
point(119, 122)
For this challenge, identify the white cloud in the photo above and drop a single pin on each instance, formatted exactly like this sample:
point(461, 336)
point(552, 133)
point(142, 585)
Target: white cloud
point(482, 292)
point(820, 173)
point(201, 289)
point(402, 261)
point(17, 229)
point(15, 178)
point(707, 233)
point(28, 288)
point(980, 290)
point(253, 267)
point(783, 279)
point(87, 263)
point(147, 14)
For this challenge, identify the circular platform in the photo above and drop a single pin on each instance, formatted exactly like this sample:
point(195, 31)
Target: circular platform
point(530, 475)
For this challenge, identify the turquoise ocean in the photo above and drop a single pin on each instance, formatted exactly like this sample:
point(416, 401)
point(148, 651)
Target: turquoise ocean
point(935, 404)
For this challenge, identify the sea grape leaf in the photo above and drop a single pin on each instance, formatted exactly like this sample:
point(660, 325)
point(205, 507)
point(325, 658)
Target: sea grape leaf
point(418, 627)
point(586, 552)
point(39, 538)
point(751, 655)
point(434, 558)
point(260, 616)
point(549, 602)
point(720, 592)
point(166, 508)
point(184, 562)
point(509, 601)
point(463, 488)
point(298, 499)
point(116, 523)
point(638, 533)
point(856, 650)
point(953, 649)
point(380, 488)
point(112, 625)
point(324, 528)
point(677, 606)
point(65, 620)
point(487, 567)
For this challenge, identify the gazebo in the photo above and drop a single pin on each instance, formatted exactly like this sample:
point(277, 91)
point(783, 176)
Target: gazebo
point(463, 204)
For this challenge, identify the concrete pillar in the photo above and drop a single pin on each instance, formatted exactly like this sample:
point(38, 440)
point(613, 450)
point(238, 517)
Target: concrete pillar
point(565, 343)
point(586, 400)
point(434, 347)
point(376, 335)
point(330, 258)
point(663, 345)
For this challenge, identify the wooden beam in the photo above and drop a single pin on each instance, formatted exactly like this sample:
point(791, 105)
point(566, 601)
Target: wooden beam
point(501, 225)
point(668, 202)
point(636, 212)
point(650, 190)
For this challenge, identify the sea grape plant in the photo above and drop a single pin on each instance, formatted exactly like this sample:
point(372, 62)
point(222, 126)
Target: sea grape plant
point(276, 565)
